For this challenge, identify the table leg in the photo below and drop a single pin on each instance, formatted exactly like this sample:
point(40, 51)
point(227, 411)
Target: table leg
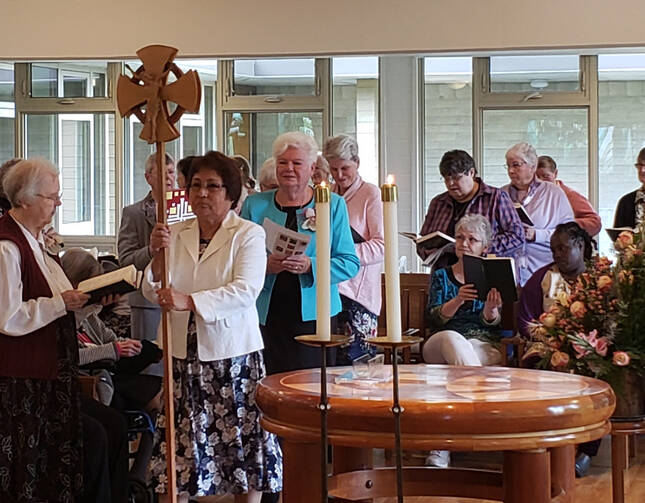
point(619, 454)
point(301, 472)
point(347, 459)
point(563, 468)
point(527, 477)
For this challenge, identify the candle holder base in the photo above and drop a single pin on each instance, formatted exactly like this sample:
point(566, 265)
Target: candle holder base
point(317, 341)
point(386, 342)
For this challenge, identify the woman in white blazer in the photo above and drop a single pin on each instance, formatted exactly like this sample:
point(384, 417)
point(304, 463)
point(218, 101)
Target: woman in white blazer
point(217, 265)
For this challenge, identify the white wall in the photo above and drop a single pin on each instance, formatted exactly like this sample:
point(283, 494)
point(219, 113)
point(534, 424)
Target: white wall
point(45, 29)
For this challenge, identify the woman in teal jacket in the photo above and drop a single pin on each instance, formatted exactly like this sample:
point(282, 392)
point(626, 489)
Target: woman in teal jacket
point(287, 303)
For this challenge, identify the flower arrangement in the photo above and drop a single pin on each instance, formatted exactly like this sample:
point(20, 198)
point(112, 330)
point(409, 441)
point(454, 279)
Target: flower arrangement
point(598, 329)
point(309, 222)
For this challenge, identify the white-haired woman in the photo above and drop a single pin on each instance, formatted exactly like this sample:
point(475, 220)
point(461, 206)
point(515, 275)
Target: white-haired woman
point(39, 402)
point(361, 295)
point(546, 204)
point(322, 171)
point(287, 303)
point(465, 329)
point(266, 177)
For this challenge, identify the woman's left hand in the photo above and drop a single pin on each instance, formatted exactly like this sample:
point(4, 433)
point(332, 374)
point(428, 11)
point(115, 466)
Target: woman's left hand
point(173, 300)
point(492, 304)
point(297, 264)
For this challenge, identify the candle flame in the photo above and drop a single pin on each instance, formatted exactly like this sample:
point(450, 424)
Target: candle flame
point(323, 184)
point(390, 179)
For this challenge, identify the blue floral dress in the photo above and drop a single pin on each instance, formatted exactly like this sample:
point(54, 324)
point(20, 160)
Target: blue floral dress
point(220, 446)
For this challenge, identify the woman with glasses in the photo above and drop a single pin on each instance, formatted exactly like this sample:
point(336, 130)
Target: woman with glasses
point(467, 194)
point(217, 263)
point(630, 211)
point(465, 329)
point(545, 203)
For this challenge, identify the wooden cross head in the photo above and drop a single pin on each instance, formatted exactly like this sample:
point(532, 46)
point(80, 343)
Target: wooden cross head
point(146, 94)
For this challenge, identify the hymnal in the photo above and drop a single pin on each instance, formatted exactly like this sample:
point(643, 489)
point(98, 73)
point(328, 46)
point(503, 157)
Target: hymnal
point(491, 272)
point(614, 232)
point(283, 242)
point(436, 239)
point(523, 214)
point(117, 282)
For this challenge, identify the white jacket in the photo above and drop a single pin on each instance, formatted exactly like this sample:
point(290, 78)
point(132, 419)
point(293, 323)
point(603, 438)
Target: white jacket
point(224, 285)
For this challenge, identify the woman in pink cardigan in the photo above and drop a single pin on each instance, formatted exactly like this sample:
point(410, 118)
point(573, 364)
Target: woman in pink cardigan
point(361, 295)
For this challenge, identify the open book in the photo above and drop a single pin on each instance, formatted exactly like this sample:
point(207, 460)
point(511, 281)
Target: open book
point(436, 239)
point(614, 232)
point(283, 242)
point(491, 272)
point(523, 214)
point(117, 282)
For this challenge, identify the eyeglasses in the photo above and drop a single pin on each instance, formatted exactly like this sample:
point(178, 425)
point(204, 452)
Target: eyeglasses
point(515, 165)
point(469, 240)
point(453, 178)
point(639, 165)
point(210, 187)
point(56, 199)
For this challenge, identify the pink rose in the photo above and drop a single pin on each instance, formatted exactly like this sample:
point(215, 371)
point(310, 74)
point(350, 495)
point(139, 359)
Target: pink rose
point(602, 345)
point(559, 360)
point(578, 309)
point(624, 241)
point(548, 320)
point(591, 338)
point(604, 283)
point(621, 358)
point(580, 350)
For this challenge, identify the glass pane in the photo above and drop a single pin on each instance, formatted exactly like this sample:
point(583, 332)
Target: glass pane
point(6, 138)
point(82, 146)
point(621, 131)
point(6, 84)
point(355, 108)
point(209, 117)
point(252, 134)
point(512, 74)
point(561, 134)
point(44, 82)
point(99, 89)
point(75, 85)
point(293, 77)
point(448, 116)
point(192, 140)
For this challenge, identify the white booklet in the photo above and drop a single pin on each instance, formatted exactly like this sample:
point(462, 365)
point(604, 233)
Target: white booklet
point(284, 242)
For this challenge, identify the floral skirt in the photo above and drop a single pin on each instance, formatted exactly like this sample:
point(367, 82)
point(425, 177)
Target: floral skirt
point(220, 446)
point(360, 324)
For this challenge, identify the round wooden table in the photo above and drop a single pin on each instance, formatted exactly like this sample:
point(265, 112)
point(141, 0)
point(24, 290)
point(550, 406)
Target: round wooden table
point(535, 417)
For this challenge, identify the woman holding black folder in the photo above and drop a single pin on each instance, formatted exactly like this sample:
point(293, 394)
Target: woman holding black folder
point(361, 295)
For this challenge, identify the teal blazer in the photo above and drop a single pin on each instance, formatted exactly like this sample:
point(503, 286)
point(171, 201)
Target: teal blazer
point(344, 262)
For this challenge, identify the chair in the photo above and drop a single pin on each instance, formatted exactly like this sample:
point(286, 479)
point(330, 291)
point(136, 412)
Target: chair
point(414, 298)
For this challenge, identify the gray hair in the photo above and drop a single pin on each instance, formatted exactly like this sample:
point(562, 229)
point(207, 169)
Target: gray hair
point(151, 161)
point(526, 151)
point(25, 180)
point(267, 175)
point(477, 224)
point(4, 169)
point(80, 265)
point(321, 163)
point(341, 146)
point(299, 140)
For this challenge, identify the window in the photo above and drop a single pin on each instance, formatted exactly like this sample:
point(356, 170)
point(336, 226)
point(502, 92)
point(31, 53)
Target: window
point(549, 73)
point(355, 104)
point(447, 120)
point(621, 130)
point(69, 80)
point(277, 77)
point(7, 113)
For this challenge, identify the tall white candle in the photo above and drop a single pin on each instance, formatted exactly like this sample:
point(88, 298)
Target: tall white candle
point(390, 196)
point(322, 197)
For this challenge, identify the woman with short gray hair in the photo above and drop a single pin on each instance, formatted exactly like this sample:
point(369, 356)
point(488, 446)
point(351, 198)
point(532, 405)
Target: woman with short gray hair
point(465, 329)
point(361, 295)
point(5, 205)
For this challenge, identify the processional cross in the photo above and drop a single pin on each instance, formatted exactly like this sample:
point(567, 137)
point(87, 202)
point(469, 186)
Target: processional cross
point(146, 95)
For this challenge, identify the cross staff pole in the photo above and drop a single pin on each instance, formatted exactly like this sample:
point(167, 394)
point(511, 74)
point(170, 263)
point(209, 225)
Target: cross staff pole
point(168, 381)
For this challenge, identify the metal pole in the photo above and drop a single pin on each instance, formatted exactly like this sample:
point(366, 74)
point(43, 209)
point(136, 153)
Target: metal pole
point(396, 409)
point(324, 407)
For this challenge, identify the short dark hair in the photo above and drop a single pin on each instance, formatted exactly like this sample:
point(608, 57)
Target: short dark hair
point(183, 166)
point(455, 162)
point(225, 167)
point(578, 235)
point(641, 155)
point(545, 161)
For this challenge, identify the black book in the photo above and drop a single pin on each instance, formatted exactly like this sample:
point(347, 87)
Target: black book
point(436, 239)
point(614, 232)
point(491, 272)
point(523, 214)
point(117, 282)
point(356, 237)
